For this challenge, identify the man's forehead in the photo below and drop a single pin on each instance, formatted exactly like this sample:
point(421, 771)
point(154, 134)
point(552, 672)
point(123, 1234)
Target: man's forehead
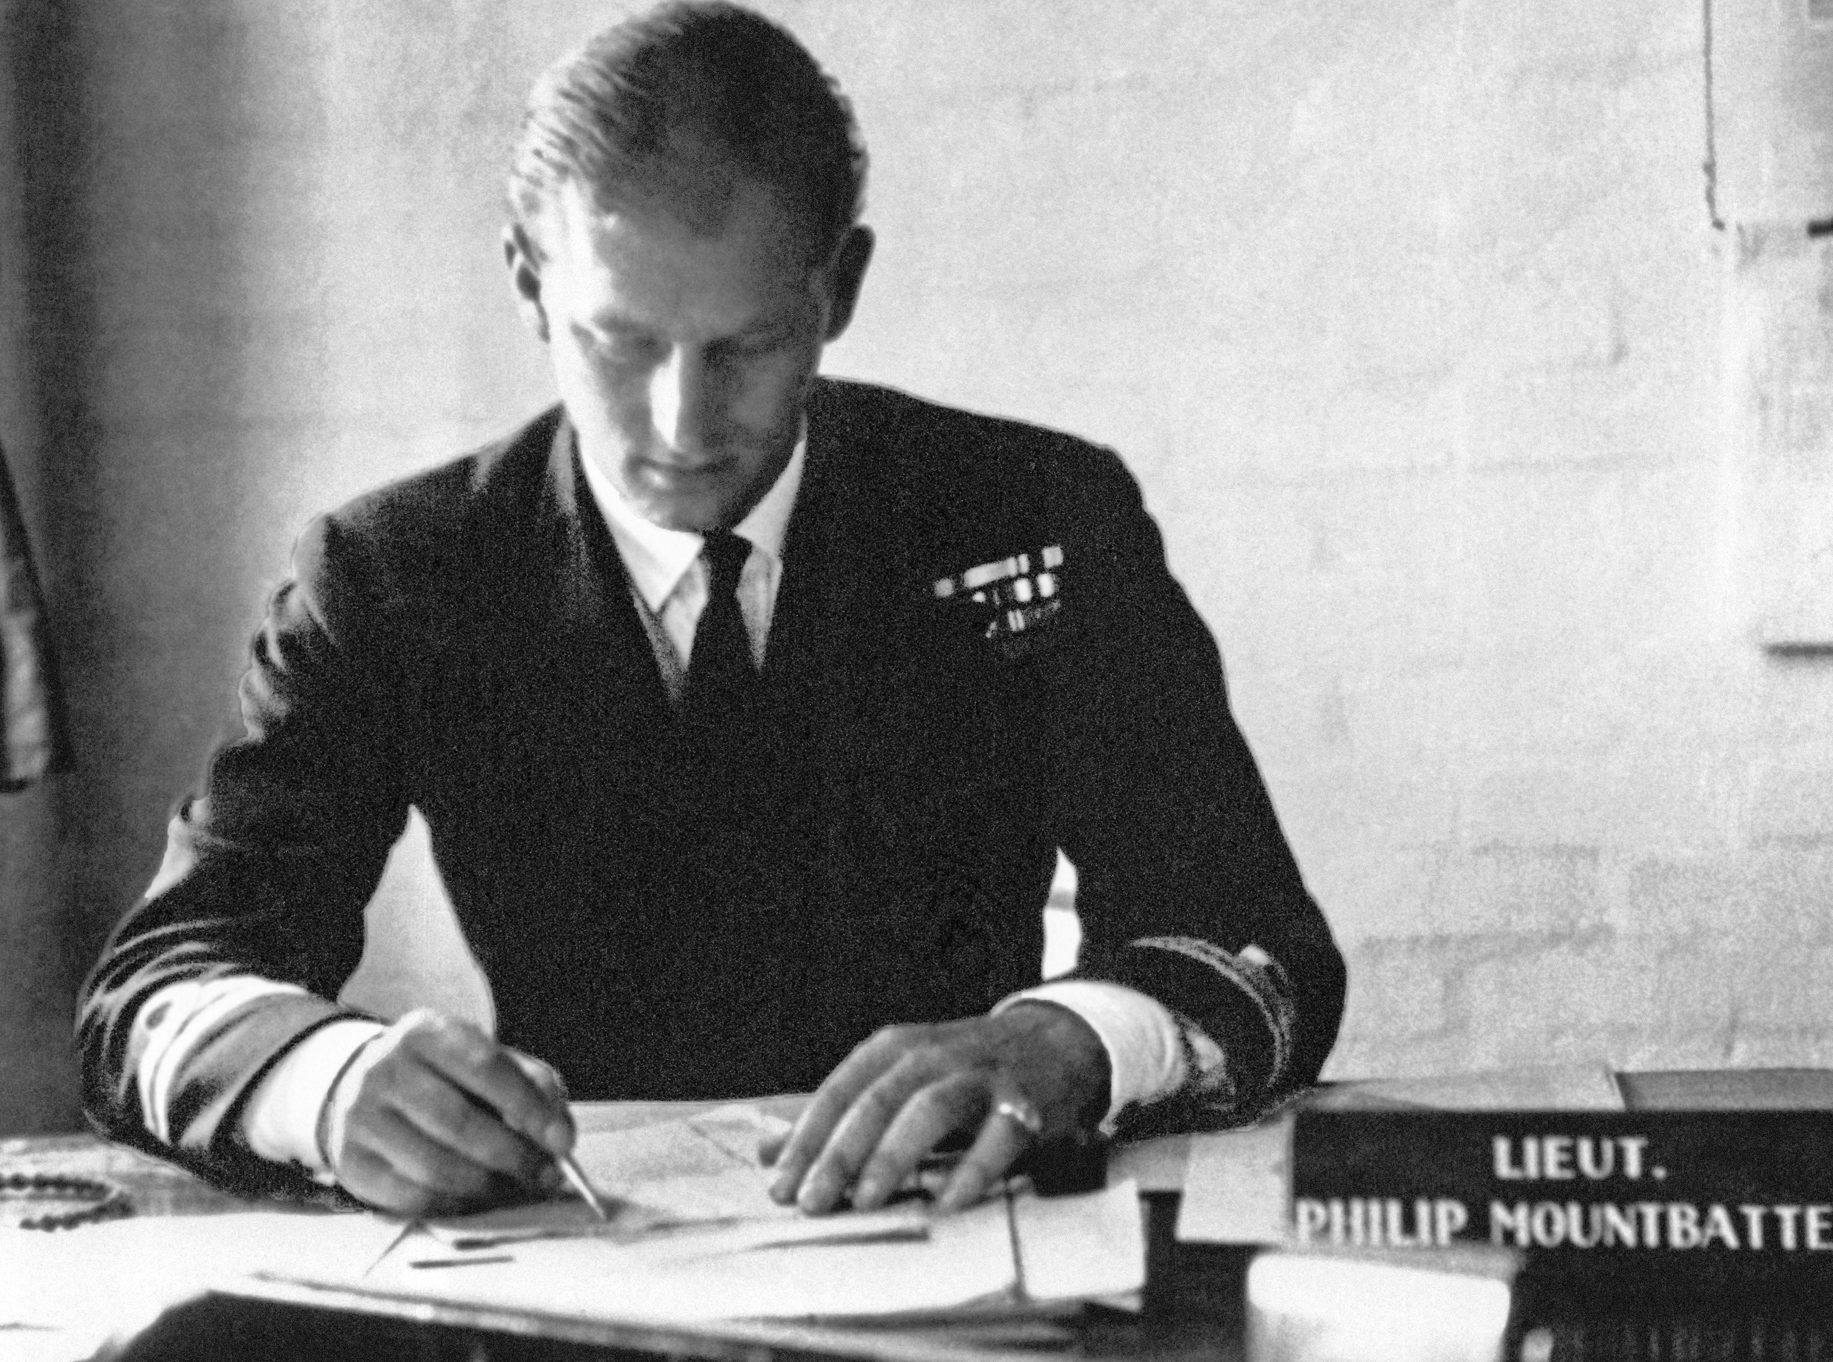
point(741, 215)
point(703, 190)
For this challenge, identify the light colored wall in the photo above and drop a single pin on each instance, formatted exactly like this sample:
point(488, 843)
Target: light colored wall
point(1412, 320)
point(1408, 315)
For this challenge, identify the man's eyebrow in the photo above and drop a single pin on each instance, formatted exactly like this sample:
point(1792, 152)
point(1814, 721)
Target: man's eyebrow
point(610, 326)
point(765, 327)
point(617, 327)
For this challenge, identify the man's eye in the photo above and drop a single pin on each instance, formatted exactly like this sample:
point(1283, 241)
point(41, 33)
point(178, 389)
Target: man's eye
point(746, 347)
point(623, 347)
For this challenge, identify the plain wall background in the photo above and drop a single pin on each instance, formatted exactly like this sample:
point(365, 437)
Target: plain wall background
point(1409, 315)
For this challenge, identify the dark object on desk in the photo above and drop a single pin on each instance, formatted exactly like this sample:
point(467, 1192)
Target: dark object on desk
point(88, 1199)
point(1665, 1200)
point(1668, 1331)
point(1066, 1167)
point(34, 739)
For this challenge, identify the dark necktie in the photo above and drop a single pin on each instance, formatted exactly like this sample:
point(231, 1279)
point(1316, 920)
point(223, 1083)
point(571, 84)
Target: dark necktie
point(722, 681)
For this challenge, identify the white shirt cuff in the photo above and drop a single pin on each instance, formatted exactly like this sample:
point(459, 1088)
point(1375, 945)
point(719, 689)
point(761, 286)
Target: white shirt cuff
point(280, 1121)
point(1143, 1040)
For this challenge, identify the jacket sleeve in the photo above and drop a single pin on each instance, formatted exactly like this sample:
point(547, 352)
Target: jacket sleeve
point(1187, 889)
point(259, 902)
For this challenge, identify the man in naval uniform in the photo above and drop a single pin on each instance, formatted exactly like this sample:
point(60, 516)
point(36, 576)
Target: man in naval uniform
point(748, 711)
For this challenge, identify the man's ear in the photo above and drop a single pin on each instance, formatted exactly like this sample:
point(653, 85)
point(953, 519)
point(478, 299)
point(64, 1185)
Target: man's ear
point(524, 263)
point(849, 273)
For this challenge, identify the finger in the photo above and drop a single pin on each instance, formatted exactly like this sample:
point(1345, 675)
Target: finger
point(450, 1117)
point(543, 1075)
point(371, 1175)
point(368, 1176)
point(830, 1103)
point(474, 1062)
point(770, 1147)
point(995, 1149)
point(933, 1114)
point(547, 1078)
point(859, 1132)
point(442, 1173)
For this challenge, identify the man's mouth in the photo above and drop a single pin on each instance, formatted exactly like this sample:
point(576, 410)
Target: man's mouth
point(684, 474)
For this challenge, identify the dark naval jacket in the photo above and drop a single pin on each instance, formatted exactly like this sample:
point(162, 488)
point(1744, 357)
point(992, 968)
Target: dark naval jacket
point(977, 657)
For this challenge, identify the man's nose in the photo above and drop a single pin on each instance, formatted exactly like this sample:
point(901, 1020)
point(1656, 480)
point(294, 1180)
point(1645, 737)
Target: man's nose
point(681, 401)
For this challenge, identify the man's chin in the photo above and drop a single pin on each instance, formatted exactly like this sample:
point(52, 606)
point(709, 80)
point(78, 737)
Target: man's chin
point(697, 504)
point(697, 515)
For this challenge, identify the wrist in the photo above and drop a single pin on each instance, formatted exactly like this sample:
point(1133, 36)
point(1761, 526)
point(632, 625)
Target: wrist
point(329, 1127)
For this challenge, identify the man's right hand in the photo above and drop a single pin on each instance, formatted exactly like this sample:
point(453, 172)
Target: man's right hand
point(435, 1116)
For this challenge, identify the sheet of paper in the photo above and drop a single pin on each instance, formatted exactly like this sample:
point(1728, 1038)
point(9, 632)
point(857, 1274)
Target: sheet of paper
point(592, 1117)
point(635, 1224)
point(1082, 1248)
point(712, 1143)
point(85, 1286)
point(1069, 1247)
point(703, 1167)
point(1237, 1183)
point(698, 1170)
point(1157, 1165)
point(596, 1279)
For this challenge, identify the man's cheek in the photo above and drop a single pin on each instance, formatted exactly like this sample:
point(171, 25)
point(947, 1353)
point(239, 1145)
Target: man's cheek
point(767, 402)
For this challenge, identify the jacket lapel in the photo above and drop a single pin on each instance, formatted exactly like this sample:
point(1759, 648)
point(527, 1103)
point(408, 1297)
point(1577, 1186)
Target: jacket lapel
point(845, 596)
point(593, 619)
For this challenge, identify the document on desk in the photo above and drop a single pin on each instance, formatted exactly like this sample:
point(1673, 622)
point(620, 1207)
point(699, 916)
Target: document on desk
point(1238, 1183)
point(701, 1172)
point(694, 1235)
point(73, 1293)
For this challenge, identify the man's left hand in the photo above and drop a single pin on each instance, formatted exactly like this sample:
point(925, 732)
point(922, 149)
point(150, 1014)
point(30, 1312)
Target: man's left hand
point(1034, 1072)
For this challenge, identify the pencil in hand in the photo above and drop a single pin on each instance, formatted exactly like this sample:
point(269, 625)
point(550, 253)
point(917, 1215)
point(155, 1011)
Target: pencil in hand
point(569, 1167)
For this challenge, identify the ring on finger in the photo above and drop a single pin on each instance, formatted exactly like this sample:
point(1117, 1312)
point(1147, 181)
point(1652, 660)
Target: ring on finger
point(1021, 1114)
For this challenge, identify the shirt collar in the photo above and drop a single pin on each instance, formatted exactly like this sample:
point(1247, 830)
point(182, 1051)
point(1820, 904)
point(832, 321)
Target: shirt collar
point(657, 558)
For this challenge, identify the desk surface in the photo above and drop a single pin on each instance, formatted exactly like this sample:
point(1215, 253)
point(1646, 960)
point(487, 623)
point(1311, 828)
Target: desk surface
point(1193, 1309)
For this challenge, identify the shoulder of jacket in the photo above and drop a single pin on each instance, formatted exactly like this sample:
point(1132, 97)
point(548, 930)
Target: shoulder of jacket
point(451, 509)
point(505, 470)
point(947, 446)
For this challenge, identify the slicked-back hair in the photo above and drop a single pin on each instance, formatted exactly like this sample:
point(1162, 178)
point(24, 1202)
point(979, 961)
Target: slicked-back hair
point(686, 80)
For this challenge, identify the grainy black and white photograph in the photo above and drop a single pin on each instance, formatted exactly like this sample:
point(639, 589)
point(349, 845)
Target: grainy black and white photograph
point(916, 680)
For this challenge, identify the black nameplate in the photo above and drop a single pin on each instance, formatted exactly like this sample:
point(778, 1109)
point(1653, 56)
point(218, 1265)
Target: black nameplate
point(1710, 1195)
